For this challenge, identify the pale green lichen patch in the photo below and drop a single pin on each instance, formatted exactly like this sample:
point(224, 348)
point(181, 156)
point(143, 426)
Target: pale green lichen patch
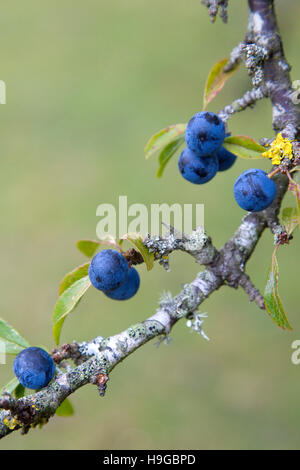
point(137, 331)
point(197, 240)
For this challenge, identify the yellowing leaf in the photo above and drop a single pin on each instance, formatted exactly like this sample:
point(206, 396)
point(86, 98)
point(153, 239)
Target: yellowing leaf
point(216, 80)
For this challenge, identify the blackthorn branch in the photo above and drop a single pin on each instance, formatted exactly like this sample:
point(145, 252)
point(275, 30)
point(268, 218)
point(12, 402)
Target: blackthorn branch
point(95, 360)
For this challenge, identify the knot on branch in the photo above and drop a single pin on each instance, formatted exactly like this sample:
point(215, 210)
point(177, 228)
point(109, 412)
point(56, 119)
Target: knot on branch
point(133, 257)
point(66, 351)
point(22, 414)
point(101, 381)
point(161, 247)
point(281, 237)
point(198, 245)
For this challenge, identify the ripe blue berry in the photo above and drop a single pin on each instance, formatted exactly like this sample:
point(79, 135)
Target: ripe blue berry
point(108, 270)
point(128, 289)
point(205, 133)
point(34, 368)
point(197, 170)
point(226, 159)
point(254, 191)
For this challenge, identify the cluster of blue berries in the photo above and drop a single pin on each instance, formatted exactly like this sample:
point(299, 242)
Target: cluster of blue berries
point(204, 156)
point(34, 368)
point(109, 272)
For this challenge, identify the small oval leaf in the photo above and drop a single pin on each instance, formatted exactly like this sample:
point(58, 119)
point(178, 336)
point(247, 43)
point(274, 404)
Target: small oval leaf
point(136, 239)
point(14, 342)
point(66, 303)
point(19, 391)
point(243, 146)
point(65, 409)
point(162, 138)
point(216, 80)
point(89, 247)
point(167, 153)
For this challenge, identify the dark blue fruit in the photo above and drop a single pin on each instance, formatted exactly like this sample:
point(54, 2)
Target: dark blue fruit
point(205, 133)
point(254, 191)
point(128, 289)
point(108, 270)
point(197, 170)
point(226, 159)
point(34, 368)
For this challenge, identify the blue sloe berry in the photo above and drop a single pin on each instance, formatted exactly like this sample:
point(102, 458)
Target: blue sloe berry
point(34, 368)
point(253, 190)
point(205, 133)
point(197, 170)
point(128, 289)
point(226, 159)
point(108, 270)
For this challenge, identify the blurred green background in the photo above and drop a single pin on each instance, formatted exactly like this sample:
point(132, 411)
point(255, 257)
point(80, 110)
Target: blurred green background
point(87, 84)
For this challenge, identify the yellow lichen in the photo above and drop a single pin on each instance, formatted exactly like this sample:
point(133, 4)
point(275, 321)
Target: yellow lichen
point(10, 423)
point(279, 149)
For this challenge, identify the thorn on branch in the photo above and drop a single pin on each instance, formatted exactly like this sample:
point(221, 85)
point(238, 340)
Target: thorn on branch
point(253, 293)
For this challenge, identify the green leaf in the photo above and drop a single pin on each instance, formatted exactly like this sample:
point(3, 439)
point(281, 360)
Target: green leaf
point(66, 303)
point(65, 409)
point(162, 138)
point(216, 80)
point(136, 239)
point(11, 386)
point(89, 247)
point(243, 146)
point(19, 391)
point(73, 276)
point(272, 299)
point(14, 342)
point(290, 219)
point(167, 153)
